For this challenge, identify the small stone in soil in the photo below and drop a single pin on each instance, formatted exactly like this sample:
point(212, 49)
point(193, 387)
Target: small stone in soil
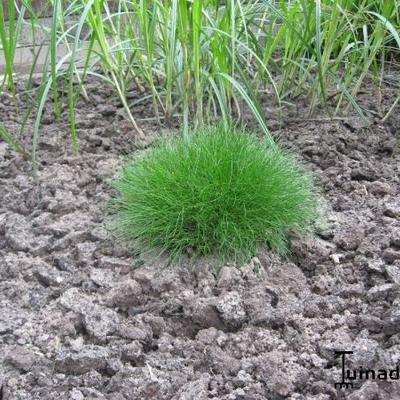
point(125, 293)
point(22, 358)
point(88, 358)
point(392, 209)
point(391, 255)
point(349, 238)
point(230, 306)
point(379, 188)
point(393, 272)
point(375, 265)
point(395, 238)
point(381, 292)
point(102, 277)
point(107, 110)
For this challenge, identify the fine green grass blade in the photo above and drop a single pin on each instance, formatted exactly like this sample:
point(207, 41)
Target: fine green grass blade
point(221, 100)
point(15, 144)
point(196, 31)
point(35, 138)
point(18, 28)
point(6, 44)
point(253, 107)
point(70, 74)
point(318, 38)
point(42, 99)
point(170, 55)
point(388, 25)
point(350, 98)
point(53, 57)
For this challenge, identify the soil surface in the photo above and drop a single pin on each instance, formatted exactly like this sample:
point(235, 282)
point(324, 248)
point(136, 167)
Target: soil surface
point(81, 318)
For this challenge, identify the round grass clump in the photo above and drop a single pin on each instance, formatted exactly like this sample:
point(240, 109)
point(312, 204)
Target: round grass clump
point(219, 192)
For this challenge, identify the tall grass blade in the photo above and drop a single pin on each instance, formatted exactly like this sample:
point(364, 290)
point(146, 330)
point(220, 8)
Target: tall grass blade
point(53, 57)
point(15, 144)
point(253, 107)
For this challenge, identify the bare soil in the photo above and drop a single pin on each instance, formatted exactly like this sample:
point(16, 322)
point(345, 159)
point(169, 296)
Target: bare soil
point(82, 318)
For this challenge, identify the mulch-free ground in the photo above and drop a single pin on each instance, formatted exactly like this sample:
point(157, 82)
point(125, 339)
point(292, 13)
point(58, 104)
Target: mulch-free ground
point(83, 318)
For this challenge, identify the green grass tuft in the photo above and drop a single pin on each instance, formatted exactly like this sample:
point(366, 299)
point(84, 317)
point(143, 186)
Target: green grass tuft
point(220, 192)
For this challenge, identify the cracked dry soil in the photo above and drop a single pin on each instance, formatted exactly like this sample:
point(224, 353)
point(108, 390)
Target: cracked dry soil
point(81, 318)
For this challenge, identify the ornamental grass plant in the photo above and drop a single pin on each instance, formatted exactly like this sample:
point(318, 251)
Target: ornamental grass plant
point(219, 191)
point(196, 61)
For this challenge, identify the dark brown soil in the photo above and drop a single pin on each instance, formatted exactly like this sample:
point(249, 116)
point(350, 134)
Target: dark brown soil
point(80, 318)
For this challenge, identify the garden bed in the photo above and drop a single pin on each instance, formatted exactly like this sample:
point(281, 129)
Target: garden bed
point(81, 318)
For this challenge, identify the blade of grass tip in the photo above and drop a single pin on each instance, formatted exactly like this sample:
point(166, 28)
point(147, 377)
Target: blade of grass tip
point(221, 102)
point(196, 29)
point(255, 110)
point(96, 20)
point(70, 75)
point(8, 137)
point(18, 27)
point(5, 46)
point(36, 126)
point(14, 43)
point(366, 43)
point(29, 85)
point(393, 106)
point(32, 22)
point(388, 25)
point(33, 66)
point(101, 77)
point(261, 64)
point(306, 14)
point(86, 64)
point(301, 67)
point(146, 21)
point(252, 93)
point(318, 40)
point(351, 99)
point(332, 34)
point(183, 28)
point(11, 40)
point(374, 46)
point(170, 60)
point(53, 58)
point(42, 102)
point(231, 9)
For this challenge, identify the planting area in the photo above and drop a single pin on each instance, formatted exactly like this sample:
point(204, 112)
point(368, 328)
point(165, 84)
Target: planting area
point(157, 161)
point(81, 318)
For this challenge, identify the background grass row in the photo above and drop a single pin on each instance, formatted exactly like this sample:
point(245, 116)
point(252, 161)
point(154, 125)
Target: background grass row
point(200, 60)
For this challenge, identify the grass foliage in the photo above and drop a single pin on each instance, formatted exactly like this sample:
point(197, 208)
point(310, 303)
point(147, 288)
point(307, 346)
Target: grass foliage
point(200, 60)
point(219, 191)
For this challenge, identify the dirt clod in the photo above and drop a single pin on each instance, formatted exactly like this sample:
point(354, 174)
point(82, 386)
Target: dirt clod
point(81, 317)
